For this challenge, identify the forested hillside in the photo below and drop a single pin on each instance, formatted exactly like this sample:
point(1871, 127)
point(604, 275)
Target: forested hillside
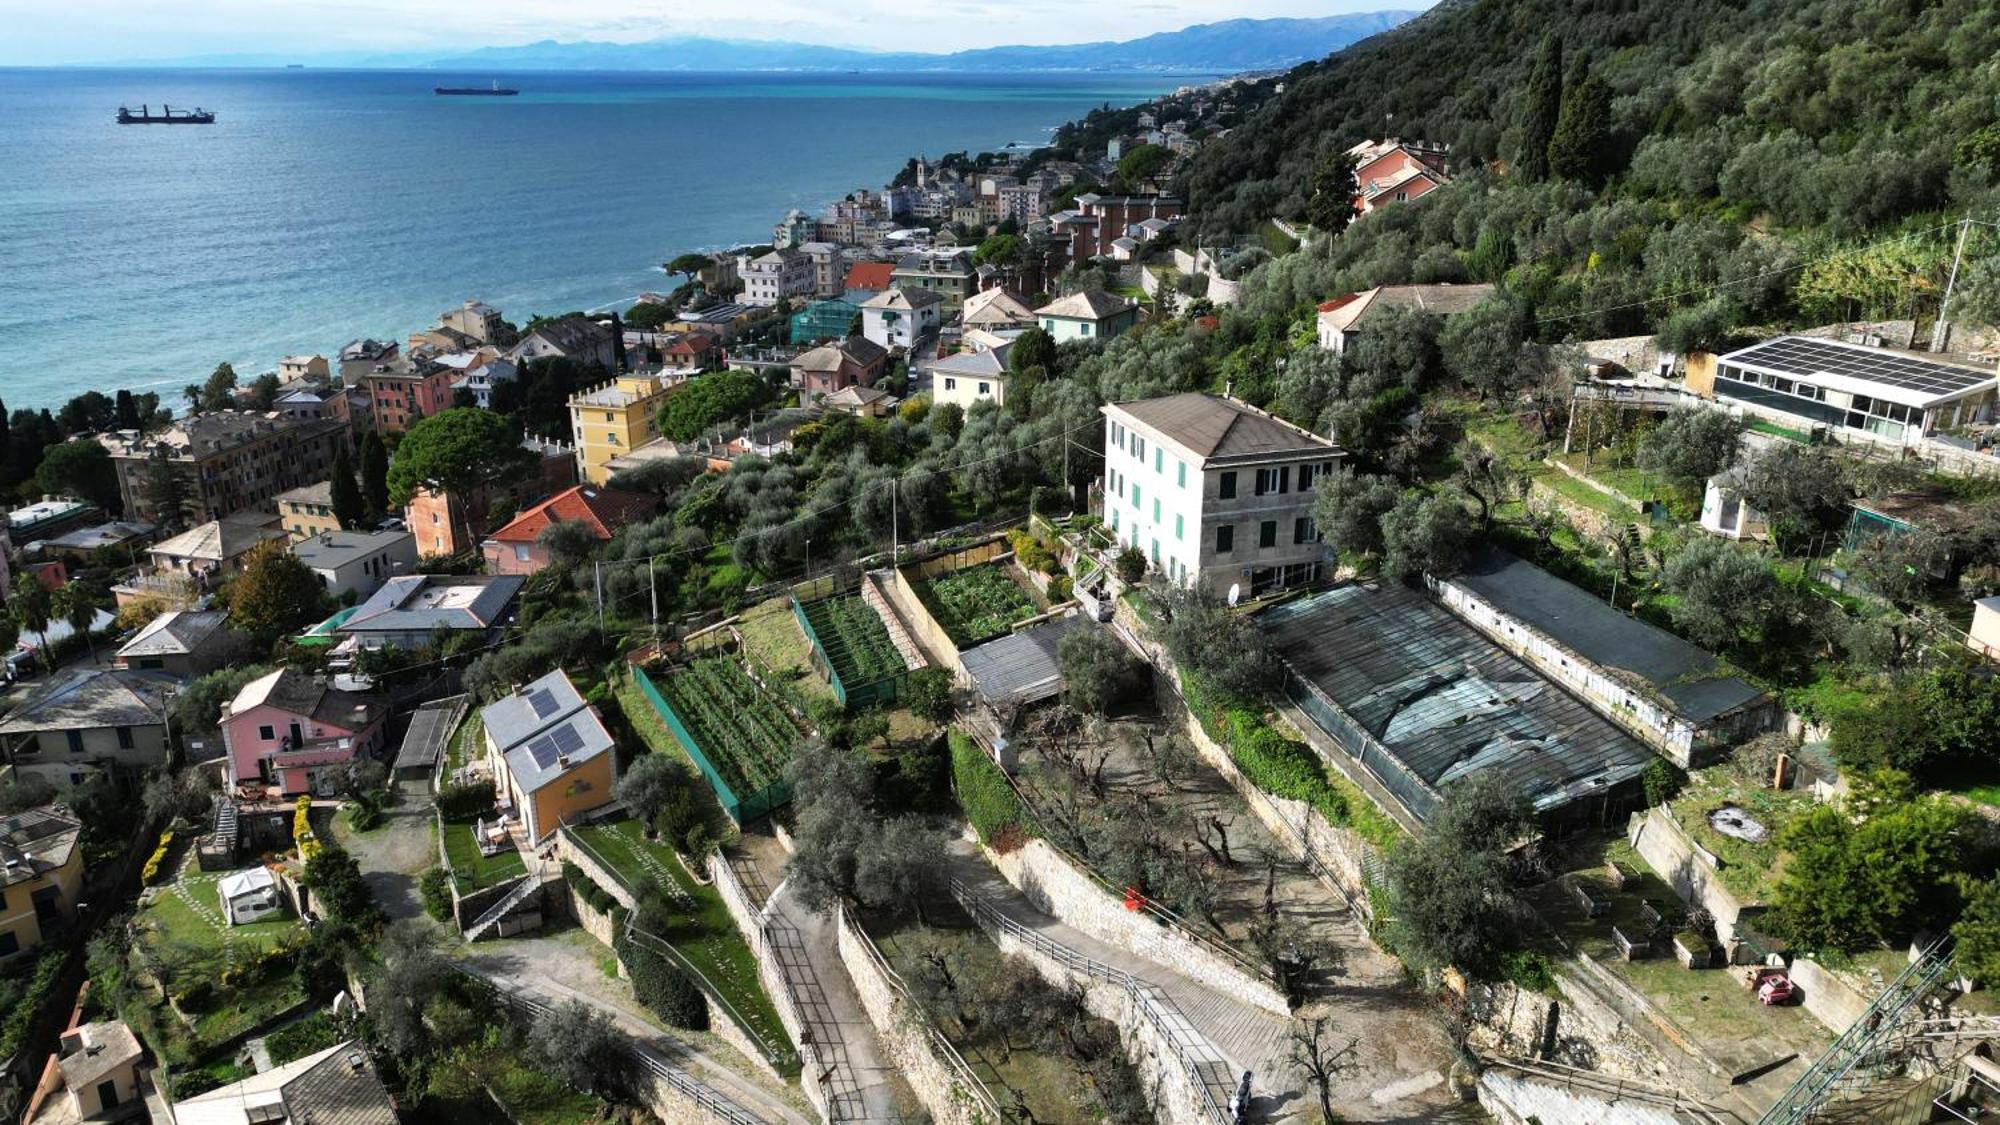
point(1625, 156)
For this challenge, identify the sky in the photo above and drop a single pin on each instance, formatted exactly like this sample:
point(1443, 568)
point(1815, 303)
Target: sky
point(90, 32)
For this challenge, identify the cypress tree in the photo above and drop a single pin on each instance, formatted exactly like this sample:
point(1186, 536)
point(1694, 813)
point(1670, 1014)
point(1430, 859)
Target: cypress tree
point(617, 343)
point(125, 412)
point(348, 507)
point(1541, 106)
point(1579, 150)
point(375, 473)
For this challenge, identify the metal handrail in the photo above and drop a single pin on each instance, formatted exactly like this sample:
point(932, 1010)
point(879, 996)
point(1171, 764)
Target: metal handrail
point(1611, 1084)
point(704, 1095)
point(1861, 1038)
point(953, 1060)
point(658, 944)
point(1191, 1049)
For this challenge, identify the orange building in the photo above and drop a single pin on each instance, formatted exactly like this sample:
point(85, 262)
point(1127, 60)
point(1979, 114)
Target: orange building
point(1394, 171)
point(551, 757)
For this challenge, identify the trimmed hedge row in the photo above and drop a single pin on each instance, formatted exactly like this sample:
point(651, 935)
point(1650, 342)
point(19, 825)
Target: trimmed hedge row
point(990, 804)
point(586, 888)
point(661, 985)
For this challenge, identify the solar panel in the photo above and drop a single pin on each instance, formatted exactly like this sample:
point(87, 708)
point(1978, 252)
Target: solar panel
point(550, 748)
point(544, 702)
point(1790, 355)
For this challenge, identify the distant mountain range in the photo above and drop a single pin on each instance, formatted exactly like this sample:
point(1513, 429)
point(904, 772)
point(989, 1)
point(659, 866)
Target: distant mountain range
point(1232, 45)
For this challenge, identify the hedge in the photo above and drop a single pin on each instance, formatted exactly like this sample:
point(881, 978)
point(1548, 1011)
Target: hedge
point(586, 888)
point(151, 872)
point(435, 888)
point(467, 801)
point(661, 985)
point(989, 802)
point(28, 1004)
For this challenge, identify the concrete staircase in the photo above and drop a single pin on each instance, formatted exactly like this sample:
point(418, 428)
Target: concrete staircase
point(530, 886)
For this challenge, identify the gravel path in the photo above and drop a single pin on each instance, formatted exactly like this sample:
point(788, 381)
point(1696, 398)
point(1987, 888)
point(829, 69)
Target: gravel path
point(393, 855)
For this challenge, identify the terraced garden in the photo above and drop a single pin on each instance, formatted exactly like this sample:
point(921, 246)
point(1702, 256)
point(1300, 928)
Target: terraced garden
point(978, 603)
point(855, 641)
point(745, 733)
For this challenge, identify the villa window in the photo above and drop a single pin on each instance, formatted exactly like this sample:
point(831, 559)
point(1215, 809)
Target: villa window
point(266, 734)
point(985, 388)
point(1225, 539)
point(1267, 533)
point(951, 384)
point(1226, 487)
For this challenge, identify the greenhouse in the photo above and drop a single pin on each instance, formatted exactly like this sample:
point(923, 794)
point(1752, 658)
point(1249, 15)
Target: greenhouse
point(823, 320)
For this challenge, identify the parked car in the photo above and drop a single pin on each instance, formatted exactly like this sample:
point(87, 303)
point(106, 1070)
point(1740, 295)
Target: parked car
point(393, 523)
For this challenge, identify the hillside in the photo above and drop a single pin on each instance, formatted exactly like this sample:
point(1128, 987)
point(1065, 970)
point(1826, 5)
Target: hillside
point(1230, 45)
point(1729, 139)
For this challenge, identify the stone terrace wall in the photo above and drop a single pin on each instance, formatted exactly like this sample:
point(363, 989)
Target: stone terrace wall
point(754, 927)
point(1688, 870)
point(1057, 888)
point(906, 1037)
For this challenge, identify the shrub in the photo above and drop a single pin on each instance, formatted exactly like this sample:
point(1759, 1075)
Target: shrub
point(990, 804)
point(1661, 781)
point(662, 986)
point(1131, 565)
point(435, 887)
point(302, 830)
point(466, 801)
point(586, 888)
point(150, 873)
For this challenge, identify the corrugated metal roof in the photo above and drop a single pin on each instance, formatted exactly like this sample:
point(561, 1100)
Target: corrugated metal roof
point(1445, 701)
point(1020, 668)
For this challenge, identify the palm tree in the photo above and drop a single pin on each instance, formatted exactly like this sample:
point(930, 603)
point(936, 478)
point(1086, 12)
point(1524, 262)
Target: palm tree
point(76, 604)
point(29, 607)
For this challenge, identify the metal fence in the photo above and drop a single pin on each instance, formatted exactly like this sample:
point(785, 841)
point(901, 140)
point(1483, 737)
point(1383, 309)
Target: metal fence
point(883, 690)
point(741, 809)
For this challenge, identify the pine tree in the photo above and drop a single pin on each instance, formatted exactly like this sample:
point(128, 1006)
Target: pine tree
point(1541, 106)
point(125, 412)
point(1332, 204)
point(165, 491)
point(348, 506)
point(1579, 148)
point(617, 343)
point(374, 474)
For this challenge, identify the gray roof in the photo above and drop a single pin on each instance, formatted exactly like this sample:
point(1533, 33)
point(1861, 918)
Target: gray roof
point(1690, 679)
point(298, 693)
point(1021, 668)
point(1897, 376)
point(103, 535)
point(223, 539)
point(430, 728)
point(1443, 700)
point(543, 729)
point(101, 1049)
point(177, 632)
point(1215, 428)
point(337, 1086)
point(94, 698)
point(321, 493)
point(37, 840)
point(331, 550)
point(901, 298)
point(422, 602)
point(989, 364)
point(1090, 304)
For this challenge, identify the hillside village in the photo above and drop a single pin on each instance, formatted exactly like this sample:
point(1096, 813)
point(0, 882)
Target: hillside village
point(1016, 648)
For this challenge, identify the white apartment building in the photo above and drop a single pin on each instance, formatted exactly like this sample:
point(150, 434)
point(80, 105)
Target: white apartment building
point(776, 276)
point(898, 318)
point(1215, 491)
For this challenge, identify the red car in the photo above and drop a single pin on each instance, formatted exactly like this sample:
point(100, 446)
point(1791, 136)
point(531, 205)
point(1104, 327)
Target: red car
point(1776, 988)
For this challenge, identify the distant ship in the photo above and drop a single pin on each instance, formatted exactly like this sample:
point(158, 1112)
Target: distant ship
point(495, 91)
point(166, 116)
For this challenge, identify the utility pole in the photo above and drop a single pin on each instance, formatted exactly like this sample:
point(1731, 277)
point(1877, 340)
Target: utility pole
point(895, 528)
point(1943, 326)
point(654, 591)
point(597, 572)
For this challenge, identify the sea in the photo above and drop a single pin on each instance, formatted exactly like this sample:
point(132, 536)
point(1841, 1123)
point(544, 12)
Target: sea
point(324, 206)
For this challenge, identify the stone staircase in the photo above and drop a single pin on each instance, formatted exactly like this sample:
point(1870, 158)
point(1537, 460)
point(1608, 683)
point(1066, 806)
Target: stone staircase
point(529, 886)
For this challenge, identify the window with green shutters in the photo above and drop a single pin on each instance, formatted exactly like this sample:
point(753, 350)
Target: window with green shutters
point(1267, 533)
point(1225, 539)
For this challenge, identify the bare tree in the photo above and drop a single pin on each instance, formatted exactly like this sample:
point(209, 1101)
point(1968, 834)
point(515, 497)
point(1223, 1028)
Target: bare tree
point(1314, 1053)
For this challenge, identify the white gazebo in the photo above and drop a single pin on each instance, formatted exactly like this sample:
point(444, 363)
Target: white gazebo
point(249, 896)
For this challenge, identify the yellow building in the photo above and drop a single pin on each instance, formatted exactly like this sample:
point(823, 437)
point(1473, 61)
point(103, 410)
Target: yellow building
point(307, 513)
point(612, 419)
point(41, 877)
point(550, 755)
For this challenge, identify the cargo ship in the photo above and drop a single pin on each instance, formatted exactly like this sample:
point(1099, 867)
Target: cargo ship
point(494, 91)
point(166, 116)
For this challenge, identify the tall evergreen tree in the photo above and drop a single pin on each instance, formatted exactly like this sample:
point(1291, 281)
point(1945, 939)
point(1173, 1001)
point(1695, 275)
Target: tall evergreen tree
point(165, 491)
point(374, 473)
point(1579, 150)
point(6, 477)
point(617, 343)
point(219, 391)
point(125, 412)
point(1541, 107)
point(348, 506)
point(1332, 204)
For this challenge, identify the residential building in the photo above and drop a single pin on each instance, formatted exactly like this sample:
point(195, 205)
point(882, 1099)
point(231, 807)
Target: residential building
point(779, 275)
point(1389, 683)
point(854, 361)
point(721, 321)
point(99, 1066)
point(307, 511)
point(898, 318)
point(1344, 317)
point(185, 643)
point(575, 338)
point(49, 518)
point(1214, 491)
point(829, 266)
point(1672, 695)
point(516, 547)
point(793, 231)
point(304, 368)
point(480, 381)
point(719, 275)
point(217, 548)
point(997, 309)
point(862, 402)
point(869, 278)
point(291, 732)
point(1089, 229)
point(690, 353)
point(476, 319)
point(612, 418)
point(945, 271)
point(357, 563)
point(1984, 635)
point(1089, 315)
point(970, 378)
point(312, 401)
point(41, 877)
point(337, 1086)
point(408, 611)
point(438, 520)
point(1021, 203)
point(1852, 390)
point(83, 720)
point(406, 390)
point(360, 357)
point(120, 538)
point(550, 755)
point(1395, 171)
point(227, 462)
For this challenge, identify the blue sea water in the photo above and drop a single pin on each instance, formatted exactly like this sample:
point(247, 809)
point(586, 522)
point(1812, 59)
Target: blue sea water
point(328, 205)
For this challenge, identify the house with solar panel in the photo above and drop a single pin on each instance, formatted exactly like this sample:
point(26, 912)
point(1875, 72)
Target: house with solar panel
point(550, 755)
point(1851, 390)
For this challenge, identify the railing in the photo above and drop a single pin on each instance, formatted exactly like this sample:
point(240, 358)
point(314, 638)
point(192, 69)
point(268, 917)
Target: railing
point(1619, 1089)
point(703, 1095)
point(1862, 1039)
point(940, 1046)
point(1197, 1057)
point(531, 882)
point(779, 1057)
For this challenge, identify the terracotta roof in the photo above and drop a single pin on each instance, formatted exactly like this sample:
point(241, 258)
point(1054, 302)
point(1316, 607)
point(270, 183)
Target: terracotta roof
point(1342, 313)
point(603, 510)
point(694, 343)
point(869, 275)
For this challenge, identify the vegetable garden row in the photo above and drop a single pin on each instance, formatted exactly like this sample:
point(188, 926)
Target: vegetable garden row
point(747, 735)
point(854, 639)
point(977, 603)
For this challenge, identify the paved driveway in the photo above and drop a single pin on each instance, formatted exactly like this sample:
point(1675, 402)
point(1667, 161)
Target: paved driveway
point(393, 855)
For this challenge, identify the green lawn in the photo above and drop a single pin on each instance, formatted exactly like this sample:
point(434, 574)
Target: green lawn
point(534, 1097)
point(702, 929)
point(771, 637)
point(303, 1037)
point(475, 871)
point(183, 926)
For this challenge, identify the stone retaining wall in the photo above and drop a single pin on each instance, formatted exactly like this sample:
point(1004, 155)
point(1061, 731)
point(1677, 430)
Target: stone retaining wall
point(1831, 1000)
point(906, 1036)
point(1592, 1030)
point(752, 925)
point(1689, 871)
point(1057, 888)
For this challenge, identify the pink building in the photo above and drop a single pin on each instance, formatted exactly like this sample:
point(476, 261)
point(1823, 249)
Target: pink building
point(1394, 171)
point(291, 732)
